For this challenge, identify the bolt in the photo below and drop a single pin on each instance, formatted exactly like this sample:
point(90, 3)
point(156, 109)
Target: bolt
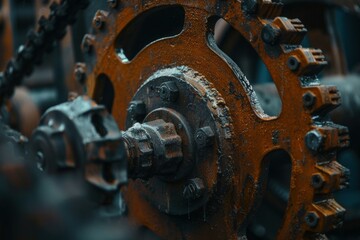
point(270, 34)
point(79, 73)
point(249, 6)
point(314, 140)
point(317, 181)
point(194, 189)
point(312, 219)
point(87, 43)
point(309, 99)
point(112, 3)
point(98, 22)
point(204, 137)
point(293, 63)
point(169, 92)
point(137, 111)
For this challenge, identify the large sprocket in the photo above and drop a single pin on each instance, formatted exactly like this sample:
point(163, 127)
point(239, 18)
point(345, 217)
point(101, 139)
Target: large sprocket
point(302, 128)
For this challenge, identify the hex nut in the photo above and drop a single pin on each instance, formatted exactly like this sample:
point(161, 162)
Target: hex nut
point(317, 181)
point(309, 99)
point(204, 137)
point(98, 22)
point(169, 92)
point(293, 63)
point(312, 219)
point(136, 111)
point(270, 34)
point(314, 140)
point(87, 43)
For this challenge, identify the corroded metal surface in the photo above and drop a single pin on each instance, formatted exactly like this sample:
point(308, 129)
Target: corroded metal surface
point(347, 114)
point(253, 134)
point(323, 33)
point(6, 38)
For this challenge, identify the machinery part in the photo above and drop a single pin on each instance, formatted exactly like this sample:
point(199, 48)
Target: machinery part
point(59, 204)
point(154, 148)
point(173, 95)
point(40, 41)
point(234, 170)
point(321, 22)
point(347, 114)
point(82, 137)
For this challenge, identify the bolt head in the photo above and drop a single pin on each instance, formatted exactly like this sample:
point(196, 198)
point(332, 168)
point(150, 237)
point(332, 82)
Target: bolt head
point(317, 181)
point(87, 44)
point(98, 22)
point(194, 189)
point(204, 137)
point(137, 111)
point(312, 219)
point(314, 140)
point(309, 99)
point(293, 63)
point(169, 92)
point(270, 34)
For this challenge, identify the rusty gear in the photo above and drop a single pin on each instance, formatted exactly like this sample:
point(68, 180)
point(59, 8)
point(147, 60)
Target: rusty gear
point(244, 134)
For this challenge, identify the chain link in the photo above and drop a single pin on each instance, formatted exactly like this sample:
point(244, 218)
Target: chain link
point(40, 41)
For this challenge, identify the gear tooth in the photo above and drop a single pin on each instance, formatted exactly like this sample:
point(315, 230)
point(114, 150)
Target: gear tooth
point(292, 30)
point(269, 9)
point(310, 61)
point(100, 19)
point(320, 100)
point(328, 214)
point(87, 44)
point(331, 177)
point(329, 137)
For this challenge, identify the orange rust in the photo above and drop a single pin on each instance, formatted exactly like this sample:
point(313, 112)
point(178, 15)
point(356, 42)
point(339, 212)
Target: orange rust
point(6, 39)
point(253, 131)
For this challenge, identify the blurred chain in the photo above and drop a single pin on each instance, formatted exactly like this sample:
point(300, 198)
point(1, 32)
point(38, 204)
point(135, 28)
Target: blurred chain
point(39, 41)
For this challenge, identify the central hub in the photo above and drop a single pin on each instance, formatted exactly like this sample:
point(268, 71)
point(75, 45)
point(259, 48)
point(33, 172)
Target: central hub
point(197, 113)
